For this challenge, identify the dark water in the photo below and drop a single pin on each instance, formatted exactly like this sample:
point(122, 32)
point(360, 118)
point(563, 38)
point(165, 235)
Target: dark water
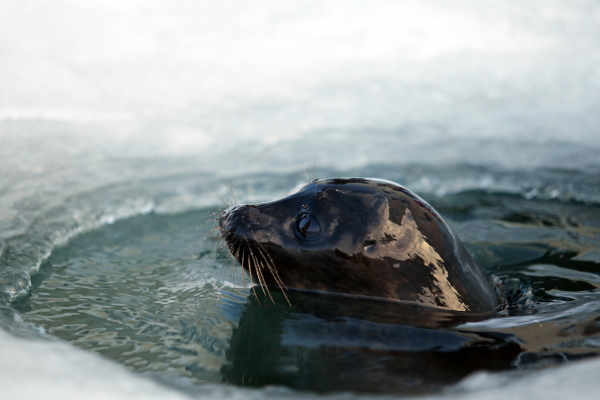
point(152, 294)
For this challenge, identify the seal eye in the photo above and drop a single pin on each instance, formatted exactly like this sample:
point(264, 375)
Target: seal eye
point(307, 225)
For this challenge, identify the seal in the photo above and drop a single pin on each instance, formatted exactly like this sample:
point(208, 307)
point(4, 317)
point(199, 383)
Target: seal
point(361, 237)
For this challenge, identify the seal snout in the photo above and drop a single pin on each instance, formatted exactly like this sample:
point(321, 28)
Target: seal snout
point(228, 220)
point(233, 220)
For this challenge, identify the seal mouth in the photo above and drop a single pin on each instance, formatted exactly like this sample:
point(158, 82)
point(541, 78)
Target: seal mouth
point(250, 254)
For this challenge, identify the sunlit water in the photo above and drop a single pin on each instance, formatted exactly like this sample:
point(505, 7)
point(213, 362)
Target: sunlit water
point(143, 291)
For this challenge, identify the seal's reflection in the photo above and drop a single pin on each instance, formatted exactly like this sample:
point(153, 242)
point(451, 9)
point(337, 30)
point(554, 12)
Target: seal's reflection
point(329, 343)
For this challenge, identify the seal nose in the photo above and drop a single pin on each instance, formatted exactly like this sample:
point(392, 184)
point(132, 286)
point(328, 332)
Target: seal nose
point(230, 219)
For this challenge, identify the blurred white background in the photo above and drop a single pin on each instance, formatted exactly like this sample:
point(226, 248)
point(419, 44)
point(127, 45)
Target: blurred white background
point(439, 81)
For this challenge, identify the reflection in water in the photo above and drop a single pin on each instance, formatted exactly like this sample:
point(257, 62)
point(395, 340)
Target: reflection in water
point(343, 343)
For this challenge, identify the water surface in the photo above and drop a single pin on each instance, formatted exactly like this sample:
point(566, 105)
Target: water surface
point(152, 294)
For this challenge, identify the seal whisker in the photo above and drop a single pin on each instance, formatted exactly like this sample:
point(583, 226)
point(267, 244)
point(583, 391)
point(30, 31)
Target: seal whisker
point(279, 283)
point(315, 165)
point(215, 238)
point(214, 214)
point(232, 274)
point(263, 278)
point(227, 205)
point(234, 253)
point(266, 262)
point(213, 230)
point(259, 274)
point(269, 265)
point(224, 271)
point(237, 250)
point(229, 247)
point(213, 211)
point(239, 257)
point(273, 270)
point(217, 243)
point(210, 235)
point(222, 249)
point(262, 261)
point(213, 220)
point(232, 194)
point(272, 267)
point(242, 268)
point(225, 267)
point(250, 273)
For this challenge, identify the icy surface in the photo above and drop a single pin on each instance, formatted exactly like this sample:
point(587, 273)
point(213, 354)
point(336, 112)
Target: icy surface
point(68, 373)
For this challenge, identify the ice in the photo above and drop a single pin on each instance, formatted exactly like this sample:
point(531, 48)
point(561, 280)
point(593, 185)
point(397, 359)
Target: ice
point(55, 370)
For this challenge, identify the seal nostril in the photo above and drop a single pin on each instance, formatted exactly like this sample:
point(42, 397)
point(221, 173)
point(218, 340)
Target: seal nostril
point(231, 219)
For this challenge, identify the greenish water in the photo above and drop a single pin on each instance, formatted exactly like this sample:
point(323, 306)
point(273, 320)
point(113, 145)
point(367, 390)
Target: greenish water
point(146, 292)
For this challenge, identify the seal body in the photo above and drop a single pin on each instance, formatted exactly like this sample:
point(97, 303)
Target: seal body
point(357, 236)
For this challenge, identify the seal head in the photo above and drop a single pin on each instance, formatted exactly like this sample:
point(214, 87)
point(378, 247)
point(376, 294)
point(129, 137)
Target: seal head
point(357, 236)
